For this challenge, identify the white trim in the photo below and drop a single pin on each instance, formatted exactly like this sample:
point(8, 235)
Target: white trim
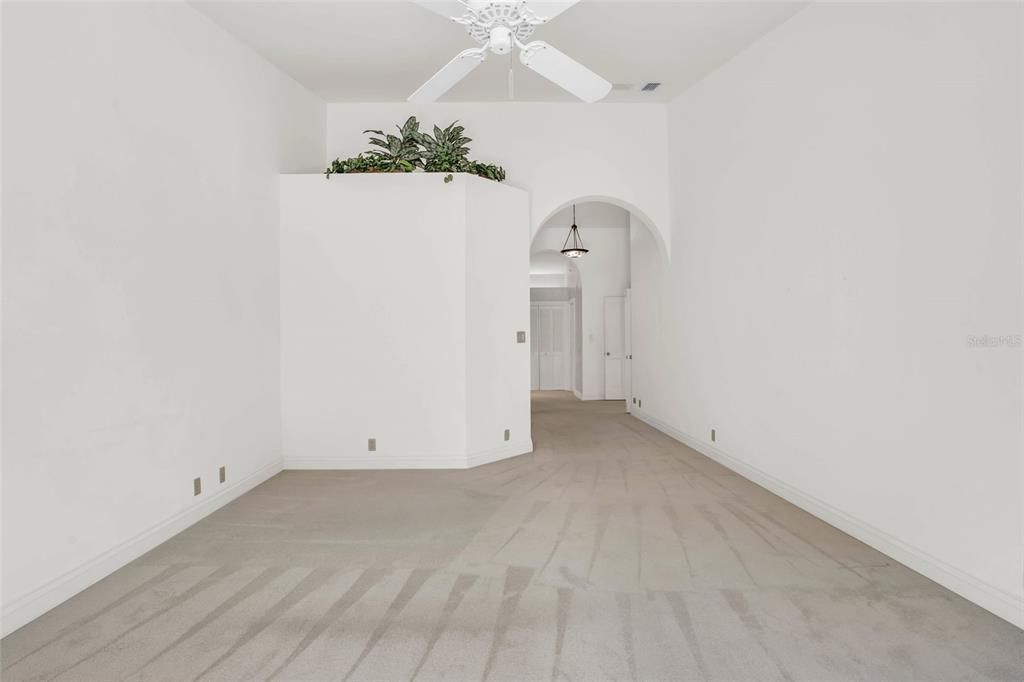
point(1003, 604)
point(579, 396)
point(34, 604)
point(378, 460)
point(40, 600)
point(370, 461)
point(505, 451)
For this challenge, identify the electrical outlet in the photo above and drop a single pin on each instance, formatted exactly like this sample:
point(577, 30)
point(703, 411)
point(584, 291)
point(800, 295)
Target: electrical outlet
point(713, 435)
point(197, 486)
point(371, 444)
point(520, 337)
point(639, 403)
point(507, 433)
point(634, 400)
point(223, 474)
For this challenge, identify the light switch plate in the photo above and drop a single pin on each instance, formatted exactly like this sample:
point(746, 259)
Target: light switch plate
point(520, 337)
point(197, 486)
point(371, 444)
point(507, 433)
point(223, 474)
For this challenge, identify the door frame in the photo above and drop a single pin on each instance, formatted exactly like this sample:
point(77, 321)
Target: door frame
point(567, 373)
point(572, 345)
point(605, 352)
point(627, 363)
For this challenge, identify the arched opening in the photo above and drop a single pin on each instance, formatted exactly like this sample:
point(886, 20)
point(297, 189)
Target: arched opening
point(654, 230)
point(589, 314)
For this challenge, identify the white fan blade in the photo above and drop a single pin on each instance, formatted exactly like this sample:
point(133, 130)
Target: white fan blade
point(564, 71)
point(446, 8)
point(452, 72)
point(549, 9)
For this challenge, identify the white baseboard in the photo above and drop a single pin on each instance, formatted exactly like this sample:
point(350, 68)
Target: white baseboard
point(507, 450)
point(374, 461)
point(1003, 604)
point(386, 461)
point(42, 599)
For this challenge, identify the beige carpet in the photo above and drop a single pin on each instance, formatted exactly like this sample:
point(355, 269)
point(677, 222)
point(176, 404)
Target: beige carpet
point(612, 552)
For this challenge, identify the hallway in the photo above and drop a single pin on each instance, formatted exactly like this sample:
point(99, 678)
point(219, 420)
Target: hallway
point(611, 552)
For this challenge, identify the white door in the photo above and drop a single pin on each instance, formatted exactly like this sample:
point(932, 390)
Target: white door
point(534, 348)
point(627, 363)
point(551, 359)
point(614, 347)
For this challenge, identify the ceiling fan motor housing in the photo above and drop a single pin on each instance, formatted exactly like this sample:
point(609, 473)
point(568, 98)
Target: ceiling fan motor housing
point(501, 40)
point(511, 21)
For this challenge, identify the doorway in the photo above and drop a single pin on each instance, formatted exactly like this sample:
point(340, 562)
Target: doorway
point(551, 347)
point(614, 348)
point(609, 300)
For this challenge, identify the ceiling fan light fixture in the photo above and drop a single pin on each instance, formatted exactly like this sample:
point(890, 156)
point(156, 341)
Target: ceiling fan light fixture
point(573, 245)
point(501, 40)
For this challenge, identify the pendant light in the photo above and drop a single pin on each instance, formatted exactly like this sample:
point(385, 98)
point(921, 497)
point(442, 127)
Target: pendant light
point(573, 245)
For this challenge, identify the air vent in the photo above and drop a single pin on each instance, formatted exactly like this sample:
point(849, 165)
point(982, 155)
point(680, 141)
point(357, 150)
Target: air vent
point(649, 87)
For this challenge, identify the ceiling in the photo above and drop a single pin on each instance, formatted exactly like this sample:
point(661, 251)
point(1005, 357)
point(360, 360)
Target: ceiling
point(382, 50)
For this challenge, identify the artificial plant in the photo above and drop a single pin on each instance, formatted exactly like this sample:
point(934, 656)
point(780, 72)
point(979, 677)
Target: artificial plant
point(444, 151)
point(398, 153)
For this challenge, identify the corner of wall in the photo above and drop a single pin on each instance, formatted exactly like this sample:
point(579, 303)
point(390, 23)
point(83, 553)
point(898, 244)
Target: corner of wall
point(52, 594)
point(1007, 606)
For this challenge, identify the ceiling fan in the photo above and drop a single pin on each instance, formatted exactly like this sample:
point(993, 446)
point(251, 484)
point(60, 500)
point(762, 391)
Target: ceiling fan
point(500, 25)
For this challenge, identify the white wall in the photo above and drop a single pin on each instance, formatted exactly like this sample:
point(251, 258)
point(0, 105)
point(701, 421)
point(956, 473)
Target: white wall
point(547, 294)
point(398, 321)
point(497, 306)
point(142, 147)
point(654, 349)
point(847, 212)
point(576, 308)
point(603, 272)
point(549, 269)
point(559, 152)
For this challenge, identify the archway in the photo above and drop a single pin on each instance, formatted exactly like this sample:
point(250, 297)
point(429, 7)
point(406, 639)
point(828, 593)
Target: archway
point(656, 231)
point(622, 244)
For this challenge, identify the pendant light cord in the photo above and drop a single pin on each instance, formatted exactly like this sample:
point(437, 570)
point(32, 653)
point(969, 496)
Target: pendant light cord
point(574, 234)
